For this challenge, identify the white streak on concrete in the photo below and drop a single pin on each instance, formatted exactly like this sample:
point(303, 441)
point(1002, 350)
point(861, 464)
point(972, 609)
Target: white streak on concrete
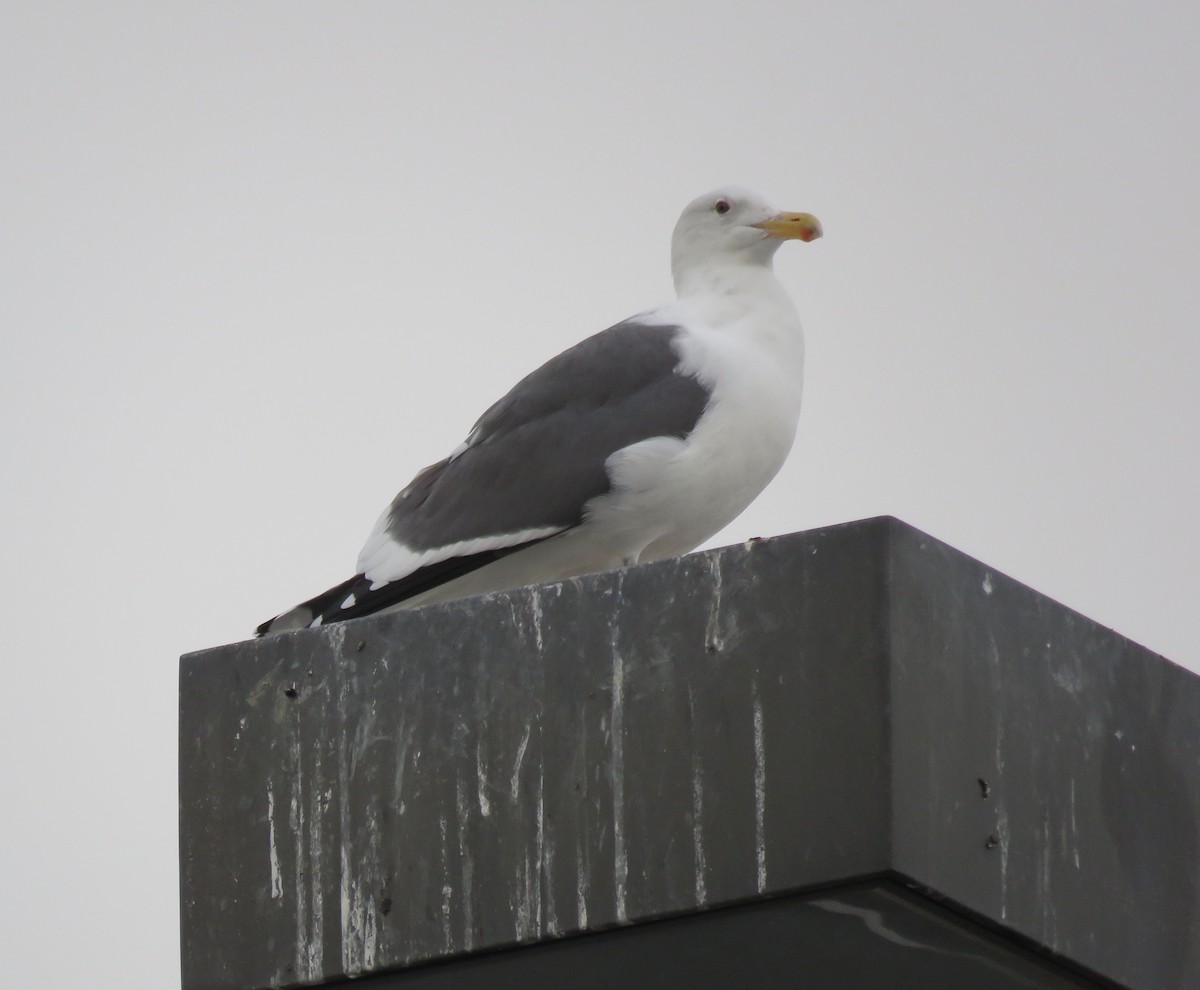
point(713, 641)
point(359, 840)
point(370, 934)
point(1002, 835)
point(522, 916)
point(276, 879)
point(582, 886)
point(760, 788)
point(485, 804)
point(350, 895)
point(316, 937)
point(352, 931)
point(539, 851)
point(1074, 828)
point(1045, 898)
point(527, 914)
point(515, 783)
point(547, 872)
point(296, 823)
point(697, 808)
point(406, 734)
point(617, 723)
point(306, 835)
point(447, 890)
point(535, 608)
point(463, 806)
point(583, 864)
point(698, 831)
point(447, 895)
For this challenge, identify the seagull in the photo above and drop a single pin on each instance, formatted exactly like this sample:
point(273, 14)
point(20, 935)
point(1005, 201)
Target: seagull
point(638, 443)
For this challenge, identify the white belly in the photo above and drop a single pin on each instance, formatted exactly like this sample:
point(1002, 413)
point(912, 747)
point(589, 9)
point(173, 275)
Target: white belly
point(669, 496)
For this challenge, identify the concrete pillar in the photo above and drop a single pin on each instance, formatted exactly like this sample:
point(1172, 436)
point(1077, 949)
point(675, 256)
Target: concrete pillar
point(871, 752)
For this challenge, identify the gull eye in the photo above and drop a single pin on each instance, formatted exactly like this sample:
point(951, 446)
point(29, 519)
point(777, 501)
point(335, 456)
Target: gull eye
point(722, 206)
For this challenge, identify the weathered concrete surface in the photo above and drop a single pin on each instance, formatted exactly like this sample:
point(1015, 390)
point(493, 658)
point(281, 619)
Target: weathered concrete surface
point(1089, 749)
point(747, 722)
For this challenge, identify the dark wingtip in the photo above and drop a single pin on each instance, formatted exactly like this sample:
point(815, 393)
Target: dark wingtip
point(328, 604)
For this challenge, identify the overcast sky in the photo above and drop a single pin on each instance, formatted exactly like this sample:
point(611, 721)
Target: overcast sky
point(262, 261)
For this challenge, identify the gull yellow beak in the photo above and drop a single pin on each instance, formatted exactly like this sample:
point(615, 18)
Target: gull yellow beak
point(792, 226)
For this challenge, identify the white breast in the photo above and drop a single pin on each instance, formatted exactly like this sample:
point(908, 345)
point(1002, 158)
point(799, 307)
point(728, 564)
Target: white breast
point(669, 496)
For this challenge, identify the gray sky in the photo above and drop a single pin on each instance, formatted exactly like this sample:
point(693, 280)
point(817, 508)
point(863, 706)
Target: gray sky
point(263, 261)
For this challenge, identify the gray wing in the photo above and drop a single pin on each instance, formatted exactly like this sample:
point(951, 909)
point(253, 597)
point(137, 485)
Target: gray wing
point(537, 457)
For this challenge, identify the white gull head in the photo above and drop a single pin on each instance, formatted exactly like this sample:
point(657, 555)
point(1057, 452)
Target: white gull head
point(732, 227)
